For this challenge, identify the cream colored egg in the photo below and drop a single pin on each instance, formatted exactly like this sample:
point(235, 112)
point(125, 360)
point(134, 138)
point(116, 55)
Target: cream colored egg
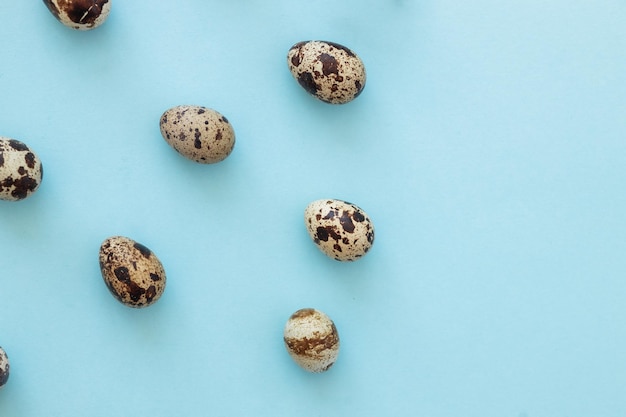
point(327, 70)
point(198, 133)
point(131, 271)
point(4, 367)
point(312, 340)
point(21, 171)
point(341, 230)
point(80, 14)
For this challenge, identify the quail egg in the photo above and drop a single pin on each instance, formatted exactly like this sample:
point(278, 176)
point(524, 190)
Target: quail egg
point(327, 70)
point(80, 14)
point(20, 170)
point(4, 367)
point(131, 271)
point(340, 229)
point(198, 133)
point(311, 340)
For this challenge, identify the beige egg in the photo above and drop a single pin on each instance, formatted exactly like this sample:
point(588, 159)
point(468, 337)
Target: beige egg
point(21, 171)
point(198, 133)
point(311, 340)
point(327, 70)
point(340, 229)
point(4, 367)
point(80, 14)
point(131, 271)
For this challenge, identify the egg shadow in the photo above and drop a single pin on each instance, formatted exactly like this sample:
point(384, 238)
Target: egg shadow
point(330, 123)
point(210, 183)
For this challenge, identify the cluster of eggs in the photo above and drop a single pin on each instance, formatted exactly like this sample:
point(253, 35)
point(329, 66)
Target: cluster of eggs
point(133, 274)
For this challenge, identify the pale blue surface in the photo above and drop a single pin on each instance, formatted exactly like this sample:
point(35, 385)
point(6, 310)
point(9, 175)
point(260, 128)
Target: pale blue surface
point(488, 147)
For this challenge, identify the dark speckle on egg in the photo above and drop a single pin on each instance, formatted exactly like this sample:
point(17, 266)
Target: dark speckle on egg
point(122, 274)
point(17, 145)
point(142, 249)
point(306, 80)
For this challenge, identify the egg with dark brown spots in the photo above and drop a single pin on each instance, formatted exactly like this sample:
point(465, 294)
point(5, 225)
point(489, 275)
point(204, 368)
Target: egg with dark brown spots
point(4, 367)
point(80, 14)
point(198, 133)
point(327, 70)
point(21, 171)
point(131, 272)
point(312, 340)
point(341, 230)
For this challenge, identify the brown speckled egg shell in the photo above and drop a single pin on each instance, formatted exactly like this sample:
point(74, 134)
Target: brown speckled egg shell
point(341, 230)
point(311, 340)
point(21, 171)
point(327, 70)
point(4, 367)
point(198, 133)
point(80, 14)
point(131, 271)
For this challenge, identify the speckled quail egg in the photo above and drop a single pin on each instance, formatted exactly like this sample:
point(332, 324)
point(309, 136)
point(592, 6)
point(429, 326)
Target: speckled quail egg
point(131, 271)
point(4, 367)
point(80, 14)
point(327, 70)
point(311, 340)
point(20, 170)
point(198, 133)
point(340, 229)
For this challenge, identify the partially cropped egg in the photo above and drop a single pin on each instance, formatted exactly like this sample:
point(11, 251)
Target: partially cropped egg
point(21, 171)
point(327, 70)
point(131, 271)
point(4, 367)
point(341, 230)
point(80, 14)
point(312, 340)
point(198, 133)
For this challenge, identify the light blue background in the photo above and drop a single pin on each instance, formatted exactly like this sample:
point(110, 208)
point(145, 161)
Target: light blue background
point(488, 147)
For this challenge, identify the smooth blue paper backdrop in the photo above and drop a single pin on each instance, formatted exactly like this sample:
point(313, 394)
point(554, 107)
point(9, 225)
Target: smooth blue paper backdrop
point(488, 147)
